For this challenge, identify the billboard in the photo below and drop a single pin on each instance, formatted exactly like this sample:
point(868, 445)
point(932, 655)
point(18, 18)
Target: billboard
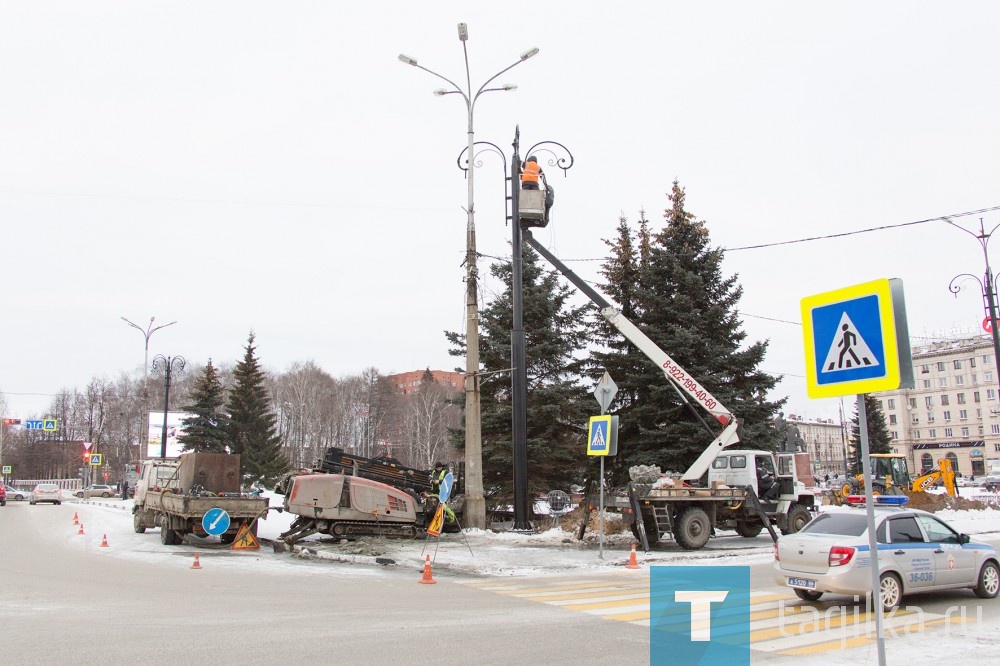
point(174, 430)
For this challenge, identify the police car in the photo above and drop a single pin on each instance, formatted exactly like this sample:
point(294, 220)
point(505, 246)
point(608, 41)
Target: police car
point(917, 552)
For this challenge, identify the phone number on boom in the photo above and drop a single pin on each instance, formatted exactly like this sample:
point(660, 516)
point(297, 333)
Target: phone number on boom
point(690, 385)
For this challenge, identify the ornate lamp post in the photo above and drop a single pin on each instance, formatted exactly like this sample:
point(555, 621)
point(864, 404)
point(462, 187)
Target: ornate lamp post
point(147, 333)
point(169, 365)
point(475, 504)
point(519, 374)
point(987, 286)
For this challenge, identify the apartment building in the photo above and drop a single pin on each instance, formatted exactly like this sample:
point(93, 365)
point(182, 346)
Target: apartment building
point(952, 411)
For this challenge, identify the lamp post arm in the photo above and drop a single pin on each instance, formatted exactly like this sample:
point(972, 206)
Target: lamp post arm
point(483, 88)
point(457, 89)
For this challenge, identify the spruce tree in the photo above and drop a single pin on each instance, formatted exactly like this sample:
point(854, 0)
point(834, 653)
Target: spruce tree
point(879, 440)
point(206, 429)
point(685, 304)
point(557, 405)
point(252, 425)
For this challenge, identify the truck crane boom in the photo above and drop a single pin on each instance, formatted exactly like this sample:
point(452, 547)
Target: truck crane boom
point(688, 388)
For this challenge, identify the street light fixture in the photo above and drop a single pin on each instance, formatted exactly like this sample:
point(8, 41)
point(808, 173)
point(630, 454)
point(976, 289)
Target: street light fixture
point(147, 333)
point(168, 363)
point(987, 286)
point(475, 503)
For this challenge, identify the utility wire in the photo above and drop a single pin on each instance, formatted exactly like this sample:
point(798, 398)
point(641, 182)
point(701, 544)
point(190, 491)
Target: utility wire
point(939, 218)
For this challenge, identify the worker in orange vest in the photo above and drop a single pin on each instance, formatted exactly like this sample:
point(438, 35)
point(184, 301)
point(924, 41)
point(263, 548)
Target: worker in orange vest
point(530, 173)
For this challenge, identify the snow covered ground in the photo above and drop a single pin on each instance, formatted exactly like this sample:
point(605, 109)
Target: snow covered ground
point(555, 551)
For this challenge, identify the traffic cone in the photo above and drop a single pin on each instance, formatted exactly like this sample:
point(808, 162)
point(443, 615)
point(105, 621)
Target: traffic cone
point(197, 563)
point(427, 579)
point(104, 541)
point(632, 564)
point(80, 531)
point(76, 519)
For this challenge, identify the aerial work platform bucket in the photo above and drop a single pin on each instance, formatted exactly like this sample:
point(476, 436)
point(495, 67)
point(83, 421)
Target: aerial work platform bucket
point(531, 208)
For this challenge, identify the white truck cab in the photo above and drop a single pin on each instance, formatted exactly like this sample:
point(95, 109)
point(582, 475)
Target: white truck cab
point(156, 473)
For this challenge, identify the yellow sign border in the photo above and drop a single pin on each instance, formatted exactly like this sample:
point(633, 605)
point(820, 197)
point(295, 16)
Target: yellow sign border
point(882, 290)
point(606, 418)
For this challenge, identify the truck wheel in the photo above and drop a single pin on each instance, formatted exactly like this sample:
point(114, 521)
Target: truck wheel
point(137, 523)
point(748, 530)
point(796, 519)
point(227, 538)
point(652, 533)
point(167, 536)
point(693, 528)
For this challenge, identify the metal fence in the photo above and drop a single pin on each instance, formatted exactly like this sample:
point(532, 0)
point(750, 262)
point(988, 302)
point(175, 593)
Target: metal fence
point(64, 484)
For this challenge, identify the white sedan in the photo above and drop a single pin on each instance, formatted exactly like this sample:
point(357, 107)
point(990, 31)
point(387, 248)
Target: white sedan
point(917, 552)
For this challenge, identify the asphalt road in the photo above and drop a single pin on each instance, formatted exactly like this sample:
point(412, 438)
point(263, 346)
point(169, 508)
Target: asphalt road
point(61, 604)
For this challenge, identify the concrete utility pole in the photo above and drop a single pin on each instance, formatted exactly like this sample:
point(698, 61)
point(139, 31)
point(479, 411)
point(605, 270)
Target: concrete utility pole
point(475, 503)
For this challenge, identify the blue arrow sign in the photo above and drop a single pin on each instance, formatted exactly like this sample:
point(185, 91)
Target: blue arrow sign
point(215, 521)
point(33, 424)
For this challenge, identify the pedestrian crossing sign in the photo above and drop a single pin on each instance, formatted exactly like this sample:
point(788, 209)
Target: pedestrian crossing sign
point(856, 340)
point(602, 436)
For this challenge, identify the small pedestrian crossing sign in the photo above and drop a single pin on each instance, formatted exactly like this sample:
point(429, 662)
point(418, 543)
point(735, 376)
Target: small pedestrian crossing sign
point(856, 340)
point(602, 436)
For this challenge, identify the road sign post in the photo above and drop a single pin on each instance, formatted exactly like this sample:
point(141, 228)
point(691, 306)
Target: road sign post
point(856, 341)
point(605, 392)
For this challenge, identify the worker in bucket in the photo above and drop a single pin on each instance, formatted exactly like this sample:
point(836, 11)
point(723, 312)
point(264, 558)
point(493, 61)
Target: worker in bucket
point(530, 173)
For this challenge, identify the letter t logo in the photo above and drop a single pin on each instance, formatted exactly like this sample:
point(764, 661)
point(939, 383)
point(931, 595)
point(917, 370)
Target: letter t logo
point(701, 610)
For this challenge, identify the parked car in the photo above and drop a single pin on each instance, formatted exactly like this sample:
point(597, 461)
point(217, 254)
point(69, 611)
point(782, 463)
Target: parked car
point(3, 495)
point(991, 482)
point(96, 491)
point(46, 492)
point(15, 494)
point(831, 554)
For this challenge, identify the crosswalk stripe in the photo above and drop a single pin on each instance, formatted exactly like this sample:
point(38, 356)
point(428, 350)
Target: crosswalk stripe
point(795, 628)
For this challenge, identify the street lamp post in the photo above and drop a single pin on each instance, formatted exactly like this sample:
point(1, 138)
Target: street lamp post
point(147, 333)
point(475, 503)
point(987, 286)
point(168, 363)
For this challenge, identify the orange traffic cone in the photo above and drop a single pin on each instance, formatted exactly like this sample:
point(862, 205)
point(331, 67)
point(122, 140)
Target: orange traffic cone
point(632, 564)
point(427, 579)
point(80, 531)
point(76, 519)
point(104, 541)
point(197, 563)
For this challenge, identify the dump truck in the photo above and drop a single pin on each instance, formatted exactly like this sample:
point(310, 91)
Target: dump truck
point(175, 495)
point(734, 497)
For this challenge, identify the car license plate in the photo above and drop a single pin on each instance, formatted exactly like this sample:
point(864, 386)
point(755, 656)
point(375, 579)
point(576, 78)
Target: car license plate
point(802, 582)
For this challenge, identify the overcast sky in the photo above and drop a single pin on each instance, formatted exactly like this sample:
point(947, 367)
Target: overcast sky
point(273, 166)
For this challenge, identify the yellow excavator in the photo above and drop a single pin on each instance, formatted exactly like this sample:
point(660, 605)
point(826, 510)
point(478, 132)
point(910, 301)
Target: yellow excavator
point(892, 477)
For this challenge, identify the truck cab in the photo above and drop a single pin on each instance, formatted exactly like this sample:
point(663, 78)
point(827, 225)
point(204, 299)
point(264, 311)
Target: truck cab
point(789, 503)
point(157, 473)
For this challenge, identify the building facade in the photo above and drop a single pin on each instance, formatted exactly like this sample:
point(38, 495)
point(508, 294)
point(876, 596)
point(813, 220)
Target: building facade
point(826, 443)
point(409, 382)
point(951, 411)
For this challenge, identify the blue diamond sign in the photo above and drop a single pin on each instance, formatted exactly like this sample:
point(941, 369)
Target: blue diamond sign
point(856, 340)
